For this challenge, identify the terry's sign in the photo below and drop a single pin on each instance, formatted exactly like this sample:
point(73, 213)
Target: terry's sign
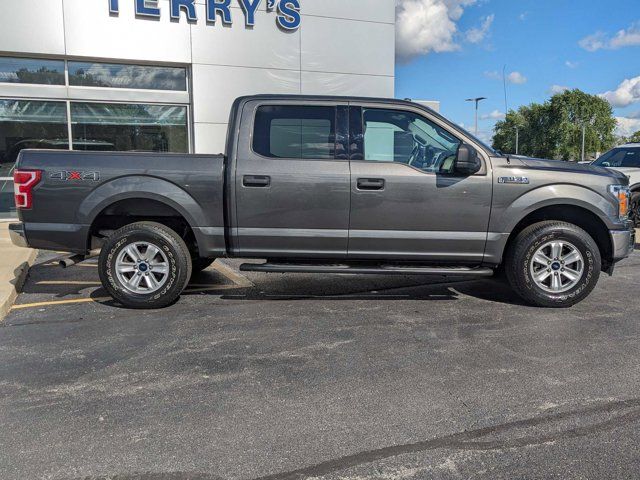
point(288, 11)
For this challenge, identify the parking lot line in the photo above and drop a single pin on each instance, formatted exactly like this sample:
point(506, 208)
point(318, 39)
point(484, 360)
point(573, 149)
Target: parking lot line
point(197, 288)
point(59, 302)
point(231, 274)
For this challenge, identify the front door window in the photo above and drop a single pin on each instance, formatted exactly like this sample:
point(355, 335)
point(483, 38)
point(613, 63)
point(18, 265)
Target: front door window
point(405, 137)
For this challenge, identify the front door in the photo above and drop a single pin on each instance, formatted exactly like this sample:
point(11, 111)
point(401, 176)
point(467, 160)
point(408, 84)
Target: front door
point(292, 183)
point(405, 203)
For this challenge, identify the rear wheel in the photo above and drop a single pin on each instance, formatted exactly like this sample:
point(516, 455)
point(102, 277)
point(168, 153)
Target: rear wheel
point(553, 264)
point(145, 265)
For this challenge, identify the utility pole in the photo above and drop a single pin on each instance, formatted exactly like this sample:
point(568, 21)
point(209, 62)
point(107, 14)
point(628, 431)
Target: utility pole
point(477, 100)
point(584, 128)
point(517, 140)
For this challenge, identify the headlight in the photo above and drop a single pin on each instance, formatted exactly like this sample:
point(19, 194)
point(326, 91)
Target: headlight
point(621, 193)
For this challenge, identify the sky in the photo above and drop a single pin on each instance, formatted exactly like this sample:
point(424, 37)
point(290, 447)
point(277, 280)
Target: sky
point(451, 50)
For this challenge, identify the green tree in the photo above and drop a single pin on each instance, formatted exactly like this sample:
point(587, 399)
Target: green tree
point(554, 129)
point(635, 138)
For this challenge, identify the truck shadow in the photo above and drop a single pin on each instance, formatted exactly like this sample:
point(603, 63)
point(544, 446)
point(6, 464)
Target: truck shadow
point(488, 290)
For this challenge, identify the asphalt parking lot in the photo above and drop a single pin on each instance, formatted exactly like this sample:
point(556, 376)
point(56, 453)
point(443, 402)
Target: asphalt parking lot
point(310, 376)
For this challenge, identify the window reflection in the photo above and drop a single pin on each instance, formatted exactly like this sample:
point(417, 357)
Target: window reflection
point(91, 74)
point(295, 132)
point(27, 124)
point(25, 70)
point(129, 127)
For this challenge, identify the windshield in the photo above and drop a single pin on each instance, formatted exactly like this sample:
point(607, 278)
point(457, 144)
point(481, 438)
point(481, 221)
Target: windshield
point(620, 157)
point(492, 151)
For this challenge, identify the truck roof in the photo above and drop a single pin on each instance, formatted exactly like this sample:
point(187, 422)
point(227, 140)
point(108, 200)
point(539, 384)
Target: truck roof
point(332, 98)
point(356, 99)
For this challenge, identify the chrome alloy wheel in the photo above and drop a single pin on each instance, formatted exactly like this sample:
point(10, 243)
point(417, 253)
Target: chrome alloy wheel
point(557, 266)
point(142, 267)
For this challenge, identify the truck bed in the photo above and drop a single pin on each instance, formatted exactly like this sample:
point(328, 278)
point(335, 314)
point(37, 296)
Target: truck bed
point(76, 186)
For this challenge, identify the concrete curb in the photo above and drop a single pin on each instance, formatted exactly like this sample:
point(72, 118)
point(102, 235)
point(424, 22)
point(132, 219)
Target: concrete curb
point(9, 295)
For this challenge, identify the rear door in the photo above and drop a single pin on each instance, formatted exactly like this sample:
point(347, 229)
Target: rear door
point(292, 180)
point(404, 203)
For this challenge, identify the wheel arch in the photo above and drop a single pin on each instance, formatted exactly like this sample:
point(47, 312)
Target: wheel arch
point(570, 213)
point(133, 199)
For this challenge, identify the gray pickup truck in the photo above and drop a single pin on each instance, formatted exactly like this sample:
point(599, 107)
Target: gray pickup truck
point(328, 185)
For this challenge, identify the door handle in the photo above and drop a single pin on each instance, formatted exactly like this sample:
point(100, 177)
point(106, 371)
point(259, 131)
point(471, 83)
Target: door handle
point(256, 181)
point(370, 184)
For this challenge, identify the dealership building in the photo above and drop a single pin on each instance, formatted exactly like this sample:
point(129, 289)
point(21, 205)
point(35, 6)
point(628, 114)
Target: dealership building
point(161, 75)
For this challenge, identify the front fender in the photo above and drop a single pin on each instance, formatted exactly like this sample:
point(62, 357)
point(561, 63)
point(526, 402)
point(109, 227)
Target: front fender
point(506, 218)
point(140, 186)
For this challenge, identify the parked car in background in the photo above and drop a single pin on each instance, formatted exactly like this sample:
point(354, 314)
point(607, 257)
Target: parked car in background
point(626, 159)
point(328, 185)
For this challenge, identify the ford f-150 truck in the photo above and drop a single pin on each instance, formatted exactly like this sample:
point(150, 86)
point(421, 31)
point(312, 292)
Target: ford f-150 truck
point(328, 185)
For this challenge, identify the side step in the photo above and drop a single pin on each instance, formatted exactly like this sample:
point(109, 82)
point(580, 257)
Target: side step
point(366, 269)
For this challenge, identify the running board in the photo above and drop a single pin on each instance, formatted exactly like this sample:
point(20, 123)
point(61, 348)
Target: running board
point(364, 269)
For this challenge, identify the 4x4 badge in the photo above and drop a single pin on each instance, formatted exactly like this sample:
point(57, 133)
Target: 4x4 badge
point(75, 175)
point(518, 180)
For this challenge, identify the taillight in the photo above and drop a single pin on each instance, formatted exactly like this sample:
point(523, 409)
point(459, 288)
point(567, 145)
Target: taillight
point(23, 183)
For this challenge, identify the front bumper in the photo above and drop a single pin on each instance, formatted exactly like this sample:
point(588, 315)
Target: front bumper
point(17, 236)
point(623, 243)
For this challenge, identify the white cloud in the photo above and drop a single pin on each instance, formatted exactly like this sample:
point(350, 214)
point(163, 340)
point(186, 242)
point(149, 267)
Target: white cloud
point(495, 115)
point(517, 78)
point(486, 136)
point(424, 26)
point(571, 64)
point(523, 16)
point(628, 92)
point(594, 42)
point(476, 35)
point(555, 89)
point(627, 126)
point(623, 38)
point(513, 77)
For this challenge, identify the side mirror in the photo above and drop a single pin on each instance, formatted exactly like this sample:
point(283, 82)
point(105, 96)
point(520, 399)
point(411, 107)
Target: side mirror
point(467, 161)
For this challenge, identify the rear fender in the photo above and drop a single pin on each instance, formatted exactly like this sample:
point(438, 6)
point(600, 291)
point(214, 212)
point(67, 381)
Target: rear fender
point(140, 186)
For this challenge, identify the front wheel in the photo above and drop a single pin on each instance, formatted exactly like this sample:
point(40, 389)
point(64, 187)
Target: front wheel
point(553, 264)
point(145, 265)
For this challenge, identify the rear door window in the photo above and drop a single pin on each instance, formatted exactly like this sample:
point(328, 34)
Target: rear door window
point(297, 132)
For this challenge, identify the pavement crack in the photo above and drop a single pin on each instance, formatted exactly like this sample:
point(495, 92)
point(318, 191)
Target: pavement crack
point(476, 439)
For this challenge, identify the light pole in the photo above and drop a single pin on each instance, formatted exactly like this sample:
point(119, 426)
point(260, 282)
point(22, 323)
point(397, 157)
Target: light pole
point(477, 100)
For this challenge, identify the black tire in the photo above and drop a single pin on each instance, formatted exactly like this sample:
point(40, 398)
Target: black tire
point(634, 209)
point(519, 257)
point(172, 247)
point(199, 264)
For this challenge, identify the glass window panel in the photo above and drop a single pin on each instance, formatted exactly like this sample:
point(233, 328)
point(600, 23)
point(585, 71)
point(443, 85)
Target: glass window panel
point(621, 158)
point(404, 137)
point(30, 70)
point(27, 124)
point(91, 74)
point(129, 127)
point(295, 132)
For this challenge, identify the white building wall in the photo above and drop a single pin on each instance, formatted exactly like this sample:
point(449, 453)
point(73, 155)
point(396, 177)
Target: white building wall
point(342, 47)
